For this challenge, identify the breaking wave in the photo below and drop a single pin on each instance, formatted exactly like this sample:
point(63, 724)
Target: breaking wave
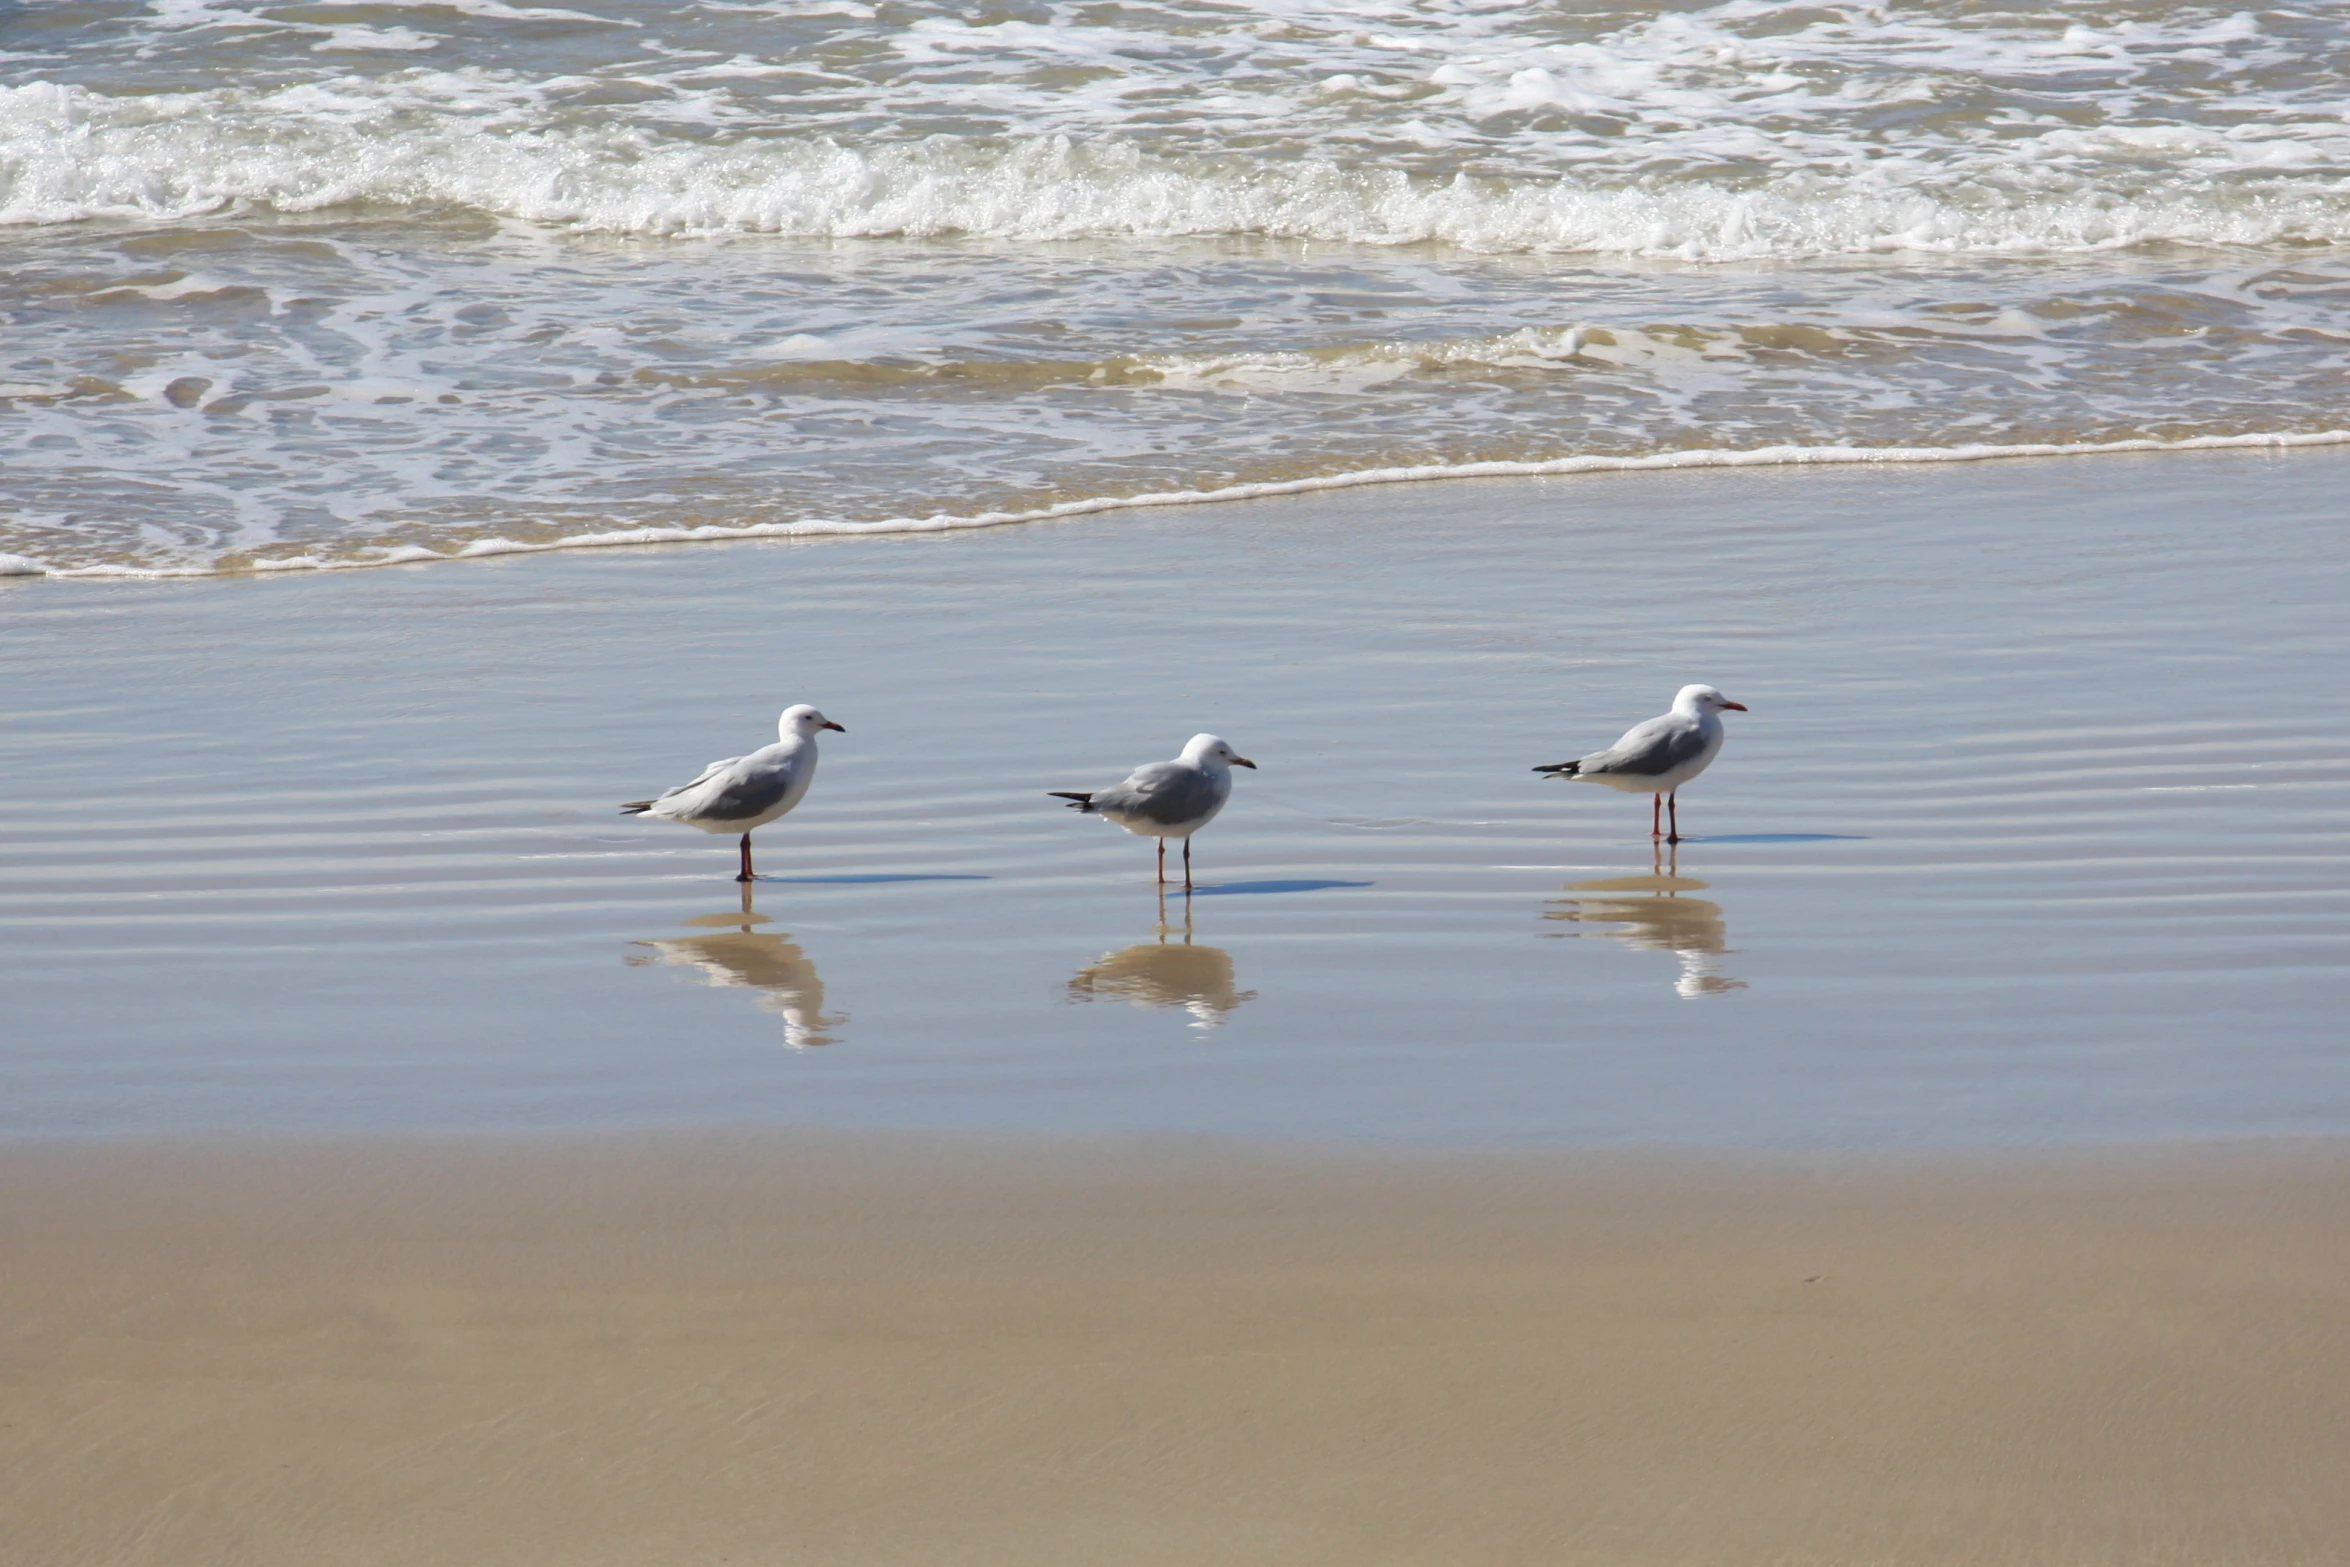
point(70, 154)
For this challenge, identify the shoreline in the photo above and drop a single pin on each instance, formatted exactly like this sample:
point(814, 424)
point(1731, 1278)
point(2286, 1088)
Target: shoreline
point(893, 1348)
point(1769, 457)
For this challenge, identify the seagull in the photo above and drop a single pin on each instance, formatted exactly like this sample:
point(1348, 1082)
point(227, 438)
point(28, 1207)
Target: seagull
point(1168, 799)
point(1656, 758)
point(741, 793)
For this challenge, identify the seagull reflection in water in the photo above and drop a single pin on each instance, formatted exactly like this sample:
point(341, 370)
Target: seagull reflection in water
point(1653, 914)
point(1166, 973)
point(738, 953)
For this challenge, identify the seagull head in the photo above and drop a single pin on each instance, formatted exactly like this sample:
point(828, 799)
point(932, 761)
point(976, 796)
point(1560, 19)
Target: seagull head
point(803, 721)
point(1705, 699)
point(1214, 748)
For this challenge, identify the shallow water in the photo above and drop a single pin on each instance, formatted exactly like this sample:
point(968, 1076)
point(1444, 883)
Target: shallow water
point(2036, 831)
point(294, 285)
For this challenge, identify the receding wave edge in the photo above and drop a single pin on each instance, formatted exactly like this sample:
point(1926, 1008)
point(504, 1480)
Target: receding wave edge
point(1753, 457)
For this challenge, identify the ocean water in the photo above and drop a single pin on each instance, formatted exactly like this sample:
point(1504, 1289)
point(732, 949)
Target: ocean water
point(309, 285)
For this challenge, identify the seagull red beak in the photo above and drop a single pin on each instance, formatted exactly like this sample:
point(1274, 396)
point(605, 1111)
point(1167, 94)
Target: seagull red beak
point(1734, 707)
point(829, 724)
point(1242, 761)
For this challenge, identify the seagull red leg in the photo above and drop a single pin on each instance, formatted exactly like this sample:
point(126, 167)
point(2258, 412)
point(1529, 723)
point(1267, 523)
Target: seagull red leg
point(746, 875)
point(1162, 862)
point(1187, 865)
point(1673, 809)
point(1656, 816)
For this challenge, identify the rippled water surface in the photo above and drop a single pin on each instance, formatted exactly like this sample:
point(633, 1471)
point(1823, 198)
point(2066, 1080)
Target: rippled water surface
point(2038, 828)
point(325, 285)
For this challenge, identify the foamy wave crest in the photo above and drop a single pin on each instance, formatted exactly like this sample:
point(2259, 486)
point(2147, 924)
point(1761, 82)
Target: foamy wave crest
point(463, 140)
point(1762, 457)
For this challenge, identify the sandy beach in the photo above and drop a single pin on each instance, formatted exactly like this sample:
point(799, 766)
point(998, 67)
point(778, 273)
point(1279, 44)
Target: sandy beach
point(830, 1348)
point(426, 427)
point(1973, 1075)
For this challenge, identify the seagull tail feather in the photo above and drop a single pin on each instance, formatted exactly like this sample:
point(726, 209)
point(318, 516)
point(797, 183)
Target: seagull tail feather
point(1561, 769)
point(636, 807)
point(1077, 802)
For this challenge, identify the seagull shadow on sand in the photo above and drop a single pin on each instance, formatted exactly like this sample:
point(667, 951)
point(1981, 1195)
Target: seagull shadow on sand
point(1654, 913)
point(736, 953)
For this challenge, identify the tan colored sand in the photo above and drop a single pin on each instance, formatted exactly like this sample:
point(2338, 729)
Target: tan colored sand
point(788, 1349)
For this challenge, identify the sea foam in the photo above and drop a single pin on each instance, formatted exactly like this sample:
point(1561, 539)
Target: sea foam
point(291, 289)
point(1425, 473)
point(68, 155)
point(1739, 131)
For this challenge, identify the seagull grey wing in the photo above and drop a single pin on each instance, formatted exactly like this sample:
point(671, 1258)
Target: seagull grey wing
point(699, 779)
point(747, 792)
point(1129, 792)
point(1651, 749)
point(1168, 793)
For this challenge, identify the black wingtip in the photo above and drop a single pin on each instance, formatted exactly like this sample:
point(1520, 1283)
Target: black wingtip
point(1561, 769)
point(1077, 802)
point(636, 807)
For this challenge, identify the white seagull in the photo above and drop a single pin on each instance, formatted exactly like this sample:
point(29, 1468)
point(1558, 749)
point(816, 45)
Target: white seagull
point(1168, 799)
point(1656, 758)
point(741, 793)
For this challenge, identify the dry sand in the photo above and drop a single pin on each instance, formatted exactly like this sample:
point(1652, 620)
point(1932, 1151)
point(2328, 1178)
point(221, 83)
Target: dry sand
point(834, 1348)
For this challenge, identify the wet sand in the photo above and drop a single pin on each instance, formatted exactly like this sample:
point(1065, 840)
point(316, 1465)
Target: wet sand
point(2028, 844)
point(2030, 836)
point(825, 1347)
